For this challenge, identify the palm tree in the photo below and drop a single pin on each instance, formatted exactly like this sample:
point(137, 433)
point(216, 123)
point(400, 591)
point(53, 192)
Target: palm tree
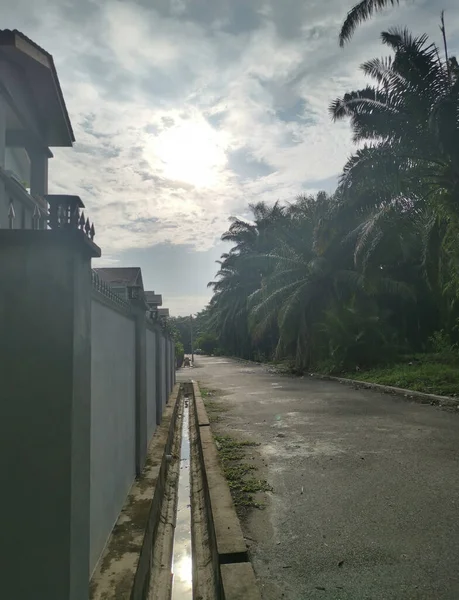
point(240, 274)
point(306, 270)
point(359, 13)
point(408, 123)
point(228, 307)
point(404, 181)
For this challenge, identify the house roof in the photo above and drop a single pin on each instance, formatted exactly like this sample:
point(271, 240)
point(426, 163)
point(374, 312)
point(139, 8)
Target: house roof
point(125, 276)
point(163, 312)
point(152, 298)
point(40, 72)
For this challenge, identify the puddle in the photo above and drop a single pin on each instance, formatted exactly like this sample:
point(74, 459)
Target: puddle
point(182, 566)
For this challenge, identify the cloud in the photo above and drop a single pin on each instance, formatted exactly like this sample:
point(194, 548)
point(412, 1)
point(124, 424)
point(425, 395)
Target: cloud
point(185, 111)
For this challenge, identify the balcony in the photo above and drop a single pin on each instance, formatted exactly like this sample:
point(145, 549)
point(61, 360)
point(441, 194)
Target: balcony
point(18, 208)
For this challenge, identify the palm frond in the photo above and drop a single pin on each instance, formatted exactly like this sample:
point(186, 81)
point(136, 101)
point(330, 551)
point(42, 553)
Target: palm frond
point(358, 14)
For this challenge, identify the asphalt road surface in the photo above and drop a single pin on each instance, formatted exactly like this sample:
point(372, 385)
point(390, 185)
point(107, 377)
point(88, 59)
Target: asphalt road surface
point(366, 486)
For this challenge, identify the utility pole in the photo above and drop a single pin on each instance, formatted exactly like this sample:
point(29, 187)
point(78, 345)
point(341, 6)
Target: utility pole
point(191, 336)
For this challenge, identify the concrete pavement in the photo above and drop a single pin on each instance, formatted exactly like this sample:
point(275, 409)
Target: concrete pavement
point(366, 486)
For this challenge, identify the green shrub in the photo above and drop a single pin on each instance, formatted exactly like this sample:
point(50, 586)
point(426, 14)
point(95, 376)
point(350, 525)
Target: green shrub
point(179, 353)
point(207, 342)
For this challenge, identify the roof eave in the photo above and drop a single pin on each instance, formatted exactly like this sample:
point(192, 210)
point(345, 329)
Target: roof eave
point(30, 51)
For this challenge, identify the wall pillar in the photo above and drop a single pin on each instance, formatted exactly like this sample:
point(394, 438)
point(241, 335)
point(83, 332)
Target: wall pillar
point(45, 370)
point(38, 172)
point(140, 389)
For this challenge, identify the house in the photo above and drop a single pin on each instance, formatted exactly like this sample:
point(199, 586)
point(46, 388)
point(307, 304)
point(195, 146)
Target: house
point(154, 301)
point(33, 118)
point(127, 282)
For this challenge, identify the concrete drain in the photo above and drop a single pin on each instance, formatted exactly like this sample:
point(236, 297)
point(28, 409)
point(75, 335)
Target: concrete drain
point(182, 565)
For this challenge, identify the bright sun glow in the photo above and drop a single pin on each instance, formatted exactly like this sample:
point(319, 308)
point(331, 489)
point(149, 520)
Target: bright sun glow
point(184, 570)
point(190, 152)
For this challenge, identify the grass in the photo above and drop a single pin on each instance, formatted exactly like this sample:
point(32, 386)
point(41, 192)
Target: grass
point(208, 393)
point(232, 452)
point(242, 484)
point(430, 373)
point(213, 408)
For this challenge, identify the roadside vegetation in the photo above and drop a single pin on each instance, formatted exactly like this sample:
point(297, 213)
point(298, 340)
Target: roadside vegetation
point(214, 408)
point(360, 280)
point(427, 373)
point(239, 473)
point(356, 281)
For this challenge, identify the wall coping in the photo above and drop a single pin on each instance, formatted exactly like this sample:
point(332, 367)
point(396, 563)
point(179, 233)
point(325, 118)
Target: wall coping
point(74, 238)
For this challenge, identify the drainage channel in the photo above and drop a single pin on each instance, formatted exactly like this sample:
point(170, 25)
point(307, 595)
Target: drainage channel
point(182, 566)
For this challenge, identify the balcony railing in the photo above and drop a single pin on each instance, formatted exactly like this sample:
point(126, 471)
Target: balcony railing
point(25, 211)
point(66, 212)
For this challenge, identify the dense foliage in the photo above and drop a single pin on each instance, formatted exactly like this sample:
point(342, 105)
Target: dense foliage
point(179, 353)
point(208, 343)
point(372, 271)
point(190, 327)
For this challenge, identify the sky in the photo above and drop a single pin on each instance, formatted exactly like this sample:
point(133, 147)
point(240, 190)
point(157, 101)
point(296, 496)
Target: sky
point(187, 111)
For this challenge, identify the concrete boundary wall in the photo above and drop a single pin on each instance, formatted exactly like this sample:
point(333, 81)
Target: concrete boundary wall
point(164, 363)
point(76, 419)
point(125, 566)
point(234, 572)
point(113, 428)
point(130, 384)
point(151, 381)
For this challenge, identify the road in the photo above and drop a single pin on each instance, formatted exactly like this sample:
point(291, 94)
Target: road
point(366, 487)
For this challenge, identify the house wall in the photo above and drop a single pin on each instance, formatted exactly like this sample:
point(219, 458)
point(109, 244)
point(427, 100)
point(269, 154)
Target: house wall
point(17, 161)
point(113, 430)
point(151, 382)
point(17, 111)
point(14, 85)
